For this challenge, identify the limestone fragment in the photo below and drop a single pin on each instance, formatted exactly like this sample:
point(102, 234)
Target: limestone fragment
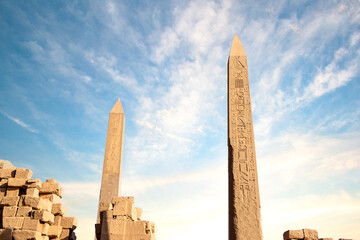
point(293, 234)
point(33, 192)
point(310, 234)
point(69, 222)
point(32, 224)
point(54, 231)
point(9, 211)
point(7, 173)
point(10, 201)
point(26, 235)
point(23, 173)
point(23, 211)
point(51, 197)
point(43, 216)
point(13, 222)
point(34, 183)
point(12, 191)
point(17, 182)
point(58, 209)
point(51, 186)
point(5, 164)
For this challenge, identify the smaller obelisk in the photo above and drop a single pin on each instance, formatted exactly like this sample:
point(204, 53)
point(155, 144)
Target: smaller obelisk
point(111, 175)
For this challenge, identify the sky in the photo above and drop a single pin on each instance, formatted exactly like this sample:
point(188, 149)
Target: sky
point(63, 65)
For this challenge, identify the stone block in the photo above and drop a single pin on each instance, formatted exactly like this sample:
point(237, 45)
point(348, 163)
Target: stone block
point(45, 228)
point(17, 182)
point(34, 183)
point(138, 213)
point(9, 211)
point(26, 235)
point(10, 201)
point(34, 202)
point(24, 211)
point(293, 234)
point(69, 222)
point(54, 231)
point(51, 187)
point(47, 205)
point(5, 164)
point(12, 191)
point(13, 222)
point(5, 234)
point(114, 226)
point(23, 173)
point(124, 206)
point(33, 192)
point(7, 173)
point(57, 220)
point(32, 224)
point(310, 234)
point(51, 197)
point(4, 183)
point(58, 209)
point(43, 216)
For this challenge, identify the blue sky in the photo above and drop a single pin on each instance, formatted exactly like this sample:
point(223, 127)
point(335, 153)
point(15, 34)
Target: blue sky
point(63, 65)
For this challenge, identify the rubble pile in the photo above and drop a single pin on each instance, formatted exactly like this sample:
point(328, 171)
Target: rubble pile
point(304, 234)
point(31, 209)
point(121, 220)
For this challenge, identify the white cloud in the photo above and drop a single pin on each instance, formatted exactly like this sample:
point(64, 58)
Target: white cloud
point(20, 123)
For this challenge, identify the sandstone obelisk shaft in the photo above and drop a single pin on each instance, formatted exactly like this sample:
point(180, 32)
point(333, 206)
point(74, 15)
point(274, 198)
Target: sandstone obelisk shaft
point(111, 175)
point(244, 200)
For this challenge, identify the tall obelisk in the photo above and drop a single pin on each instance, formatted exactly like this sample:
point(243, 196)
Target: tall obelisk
point(111, 175)
point(244, 201)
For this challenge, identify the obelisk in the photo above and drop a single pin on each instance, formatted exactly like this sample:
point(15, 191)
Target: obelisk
point(111, 174)
point(244, 201)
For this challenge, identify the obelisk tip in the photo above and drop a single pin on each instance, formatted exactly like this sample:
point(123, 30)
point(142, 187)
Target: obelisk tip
point(237, 48)
point(117, 107)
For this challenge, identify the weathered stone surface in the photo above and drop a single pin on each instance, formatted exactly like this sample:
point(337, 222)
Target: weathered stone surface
point(310, 234)
point(24, 211)
point(57, 220)
point(5, 164)
point(58, 209)
point(13, 222)
point(34, 183)
point(47, 205)
point(124, 206)
point(9, 211)
point(54, 231)
point(43, 216)
point(12, 191)
point(32, 224)
point(17, 182)
point(45, 228)
point(69, 222)
point(34, 202)
point(7, 173)
point(26, 235)
point(51, 186)
point(293, 234)
point(111, 175)
point(33, 192)
point(10, 201)
point(51, 197)
point(5, 234)
point(104, 206)
point(244, 199)
point(65, 234)
point(23, 173)
point(325, 239)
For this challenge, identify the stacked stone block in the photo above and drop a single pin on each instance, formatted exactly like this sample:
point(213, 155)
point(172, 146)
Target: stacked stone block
point(120, 220)
point(31, 209)
point(304, 234)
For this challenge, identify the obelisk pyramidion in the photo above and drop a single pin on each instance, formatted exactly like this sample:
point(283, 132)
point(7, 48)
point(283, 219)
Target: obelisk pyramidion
point(111, 175)
point(244, 201)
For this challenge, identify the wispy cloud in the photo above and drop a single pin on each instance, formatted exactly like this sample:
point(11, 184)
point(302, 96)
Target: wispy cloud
point(20, 123)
